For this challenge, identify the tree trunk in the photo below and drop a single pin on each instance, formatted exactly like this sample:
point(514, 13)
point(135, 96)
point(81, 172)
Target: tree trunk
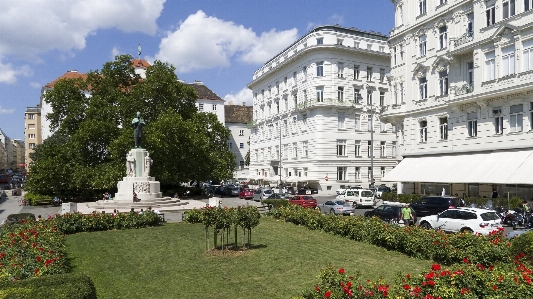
point(235, 233)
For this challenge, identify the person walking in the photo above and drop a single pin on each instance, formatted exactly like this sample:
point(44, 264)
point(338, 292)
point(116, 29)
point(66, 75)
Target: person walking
point(406, 215)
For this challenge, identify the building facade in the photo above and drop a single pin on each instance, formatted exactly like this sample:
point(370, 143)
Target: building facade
point(462, 99)
point(237, 122)
point(208, 101)
point(314, 105)
point(32, 132)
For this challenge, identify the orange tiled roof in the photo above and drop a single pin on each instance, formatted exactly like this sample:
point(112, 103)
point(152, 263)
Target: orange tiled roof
point(67, 75)
point(204, 93)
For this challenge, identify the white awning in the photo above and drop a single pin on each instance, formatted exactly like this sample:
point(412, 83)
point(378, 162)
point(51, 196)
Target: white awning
point(503, 167)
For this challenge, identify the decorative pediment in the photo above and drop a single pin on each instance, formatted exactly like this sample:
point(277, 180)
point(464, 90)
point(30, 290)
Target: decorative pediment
point(441, 63)
point(441, 22)
point(506, 32)
point(421, 31)
point(420, 70)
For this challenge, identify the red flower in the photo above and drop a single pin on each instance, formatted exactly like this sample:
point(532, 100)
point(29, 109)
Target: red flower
point(38, 258)
point(327, 294)
point(349, 284)
point(408, 276)
point(341, 271)
point(406, 287)
point(495, 288)
point(435, 267)
point(317, 288)
point(431, 283)
point(465, 260)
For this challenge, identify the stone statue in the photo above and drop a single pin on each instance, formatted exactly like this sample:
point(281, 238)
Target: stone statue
point(147, 163)
point(130, 165)
point(138, 124)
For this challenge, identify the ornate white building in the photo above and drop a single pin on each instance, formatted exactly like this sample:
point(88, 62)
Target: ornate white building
point(462, 98)
point(314, 103)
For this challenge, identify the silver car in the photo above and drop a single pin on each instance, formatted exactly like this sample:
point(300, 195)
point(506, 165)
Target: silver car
point(336, 207)
point(261, 194)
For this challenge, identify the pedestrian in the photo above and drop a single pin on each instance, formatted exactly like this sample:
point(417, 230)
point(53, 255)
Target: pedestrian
point(39, 218)
point(407, 215)
point(135, 198)
point(494, 194)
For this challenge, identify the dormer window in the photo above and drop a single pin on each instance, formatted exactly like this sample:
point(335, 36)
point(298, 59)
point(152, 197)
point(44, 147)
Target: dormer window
point(320, 41)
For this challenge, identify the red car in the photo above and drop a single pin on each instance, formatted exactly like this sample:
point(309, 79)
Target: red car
point(246, 193)
point(305, 201)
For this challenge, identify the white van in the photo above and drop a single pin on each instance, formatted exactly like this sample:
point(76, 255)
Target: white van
point(358, 197)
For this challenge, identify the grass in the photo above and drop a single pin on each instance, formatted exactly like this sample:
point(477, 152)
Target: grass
point(171, 262)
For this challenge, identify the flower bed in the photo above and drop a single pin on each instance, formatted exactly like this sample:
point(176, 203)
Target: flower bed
point(465, 280)
point(413, 241)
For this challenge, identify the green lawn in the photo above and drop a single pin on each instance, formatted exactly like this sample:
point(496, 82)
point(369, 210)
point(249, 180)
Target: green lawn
point(171, 262)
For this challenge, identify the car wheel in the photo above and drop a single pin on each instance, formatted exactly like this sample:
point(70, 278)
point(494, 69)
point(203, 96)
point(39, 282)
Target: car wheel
point(467, 230)
point(425, 225)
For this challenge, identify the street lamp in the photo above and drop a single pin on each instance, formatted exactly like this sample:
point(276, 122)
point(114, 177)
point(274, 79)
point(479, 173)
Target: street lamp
point(279, 156)
point(360, 98)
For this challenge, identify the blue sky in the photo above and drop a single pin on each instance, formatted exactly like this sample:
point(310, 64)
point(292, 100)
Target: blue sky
point(219, 42)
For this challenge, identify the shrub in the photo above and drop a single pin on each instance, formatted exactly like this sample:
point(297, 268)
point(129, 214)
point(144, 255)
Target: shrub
point(33, 198)
point(404, 198)
point(63, 286)
point(274, 203)
point(523, 244)
point(16, 218)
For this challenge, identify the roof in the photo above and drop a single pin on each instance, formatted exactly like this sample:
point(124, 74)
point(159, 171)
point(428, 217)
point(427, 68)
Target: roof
point(238, 114)
point(68, 75)
point(204, 93)
point(140, 63)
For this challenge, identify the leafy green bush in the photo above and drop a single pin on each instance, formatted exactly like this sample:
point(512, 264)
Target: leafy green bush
point(404, 198)
point(413, 241)
point(34, 199)
point(62, 286)
point(274, 203)
point(523, 244)
point(512, 203)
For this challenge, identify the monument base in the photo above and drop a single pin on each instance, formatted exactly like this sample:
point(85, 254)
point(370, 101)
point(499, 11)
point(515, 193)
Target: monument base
point(138, 179)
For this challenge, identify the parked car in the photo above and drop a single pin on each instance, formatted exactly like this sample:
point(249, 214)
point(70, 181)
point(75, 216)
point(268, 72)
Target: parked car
point(336, 207)
point(473, 220)
point(390, 213)
point(232, 191)
point(246, 193)
point(262, 193)
point(276, 196)
point(380, 190)
point(306, 201)
point(432, 205)
point(358, 197)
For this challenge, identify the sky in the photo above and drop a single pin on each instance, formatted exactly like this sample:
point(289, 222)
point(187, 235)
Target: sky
point(219, 42)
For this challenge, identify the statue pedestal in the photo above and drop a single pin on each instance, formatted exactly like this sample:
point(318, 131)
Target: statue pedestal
point(138, 179)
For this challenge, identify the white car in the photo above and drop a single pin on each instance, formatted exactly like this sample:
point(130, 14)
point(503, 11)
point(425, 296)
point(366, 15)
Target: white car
point(471, 220)
point(357, 197)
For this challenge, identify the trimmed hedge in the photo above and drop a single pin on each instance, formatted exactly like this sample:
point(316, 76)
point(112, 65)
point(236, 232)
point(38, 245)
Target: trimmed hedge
point(513, 202)
point(275, 203)
point(16, 218)
point(61, 286)
point(523, 244)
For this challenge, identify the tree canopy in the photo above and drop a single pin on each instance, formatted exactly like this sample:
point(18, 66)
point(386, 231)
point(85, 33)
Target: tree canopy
point(91, 121)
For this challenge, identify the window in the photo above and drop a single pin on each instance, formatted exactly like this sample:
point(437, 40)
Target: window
point(422, 45)
point(357, 118)
point(294, 79)
point(490, 67)
point(230, 145)
point(358, 173)
point(498, 124)
point(508, 61)
point(31, 136)
point(369, 152)
point(381, 75)
point(295, 100)
point(304, 71)
point(369, 74)
point(200, 107)
point(423, 131)
point(357, 95)
point(340, 93)
point(320, 93)
point(304, 121)
point(515, 118)
point(241, 145)
point(341, 148)
point(381, 48)
point(528, 54)
point(470, 23)
point(472, 124)
point(320, 41)
point(31, 126)
point(32, 145)
point(341, 173)
point(241, 132)
point(382, 127)
point(443, 128)
point(382, 149)
point(341, 120)
point(470, 73)
point(295, 150)
point(394, 149)
point(394, 60)
point(491, 15)
point(531, 115)
point(339, 41)
point(423, 88)
point(241, 163)
point(340, 71)
point(305, 152)
point(369, 97)
point(508, 8)
point(369, 126)
point(356, 72)
point(441, 2)
point(214, 107)
point(320, 68)
point(369, 46)
point(401, 93)
point(356, 45)
point(528, 4)
point(358, 148)
point(382, 171)
point(370, 174)
point(443, 83)
point(382, 98)
point(31, 116)
point(285, 148)
point(399, 15)
point(421, 7)
point(443, 37)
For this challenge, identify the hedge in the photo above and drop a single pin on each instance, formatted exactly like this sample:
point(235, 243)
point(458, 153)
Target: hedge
point(16, 218)
point(513, 202)
point(61, 286)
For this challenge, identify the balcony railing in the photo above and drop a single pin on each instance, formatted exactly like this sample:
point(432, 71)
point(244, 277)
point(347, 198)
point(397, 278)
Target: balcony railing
point(464, 89)
point(463, 39)
point(325, 102)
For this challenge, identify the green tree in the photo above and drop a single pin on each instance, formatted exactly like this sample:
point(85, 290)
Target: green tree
point(91, 119)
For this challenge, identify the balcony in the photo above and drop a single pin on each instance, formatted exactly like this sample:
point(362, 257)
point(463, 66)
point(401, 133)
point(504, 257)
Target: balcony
point(464, 89)
point(325, 102)
point(459, 42)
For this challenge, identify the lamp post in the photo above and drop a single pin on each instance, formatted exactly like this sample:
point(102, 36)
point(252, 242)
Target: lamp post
point(279, 157)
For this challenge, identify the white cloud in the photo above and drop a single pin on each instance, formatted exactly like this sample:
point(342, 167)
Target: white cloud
point(336, 19)
point(31, 27)
point(114, 52)
point(9, 73)
point(36, 85)
point(203, 42)
point(6, 111)
point(244, 95)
